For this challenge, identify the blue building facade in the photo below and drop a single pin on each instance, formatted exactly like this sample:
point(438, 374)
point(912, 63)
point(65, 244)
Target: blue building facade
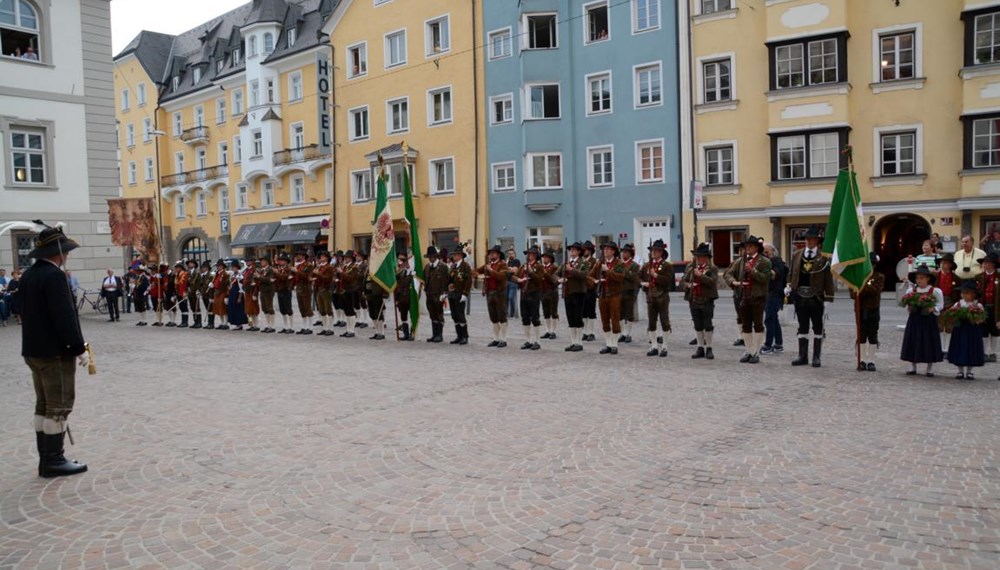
point(583, 122)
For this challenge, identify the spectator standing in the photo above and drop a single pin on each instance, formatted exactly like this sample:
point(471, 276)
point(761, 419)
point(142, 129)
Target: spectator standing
point(991, 242)
point(774, 341)
point(4, 310)
point(936, 243)
point(14, 295)
point(74, 286)
point(513, 266)
point(928, 256)
point(967, 259)
point(112, 289)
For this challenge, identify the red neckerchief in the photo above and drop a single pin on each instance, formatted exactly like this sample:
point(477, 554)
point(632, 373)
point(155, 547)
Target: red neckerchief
point(747, 270)
point(989, 292)
point(697, 283)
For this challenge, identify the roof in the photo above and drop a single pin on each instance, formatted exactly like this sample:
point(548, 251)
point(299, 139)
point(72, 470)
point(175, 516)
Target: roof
point(210, 45)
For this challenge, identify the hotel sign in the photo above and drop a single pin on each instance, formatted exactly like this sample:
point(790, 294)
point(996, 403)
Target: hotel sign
point(323, 102)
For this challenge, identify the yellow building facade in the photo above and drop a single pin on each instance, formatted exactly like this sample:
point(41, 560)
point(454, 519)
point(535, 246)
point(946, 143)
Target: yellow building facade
point(781, 90)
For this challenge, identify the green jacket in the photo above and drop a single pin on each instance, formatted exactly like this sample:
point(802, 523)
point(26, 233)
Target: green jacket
point(759, 278)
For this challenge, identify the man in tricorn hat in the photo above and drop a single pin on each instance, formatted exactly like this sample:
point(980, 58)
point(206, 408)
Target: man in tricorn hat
point(459, 288)
point(749, 277)
point(701, 289)
point(656, 278)
point(158, 291)
point(630, 291)
point(265, 279)
point(179, 303)
point(529, 278)
point(220, 292)
point(52, 346)
point(436, 286)
point(495, 276)
point(811, 286)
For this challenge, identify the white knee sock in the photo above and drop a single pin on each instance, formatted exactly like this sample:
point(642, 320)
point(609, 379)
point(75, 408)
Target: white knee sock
point(666, 339)
point(700, 335)
point(707, 335)
point(527, 333)
point(39, 422)
point(993, 345)
point(351, 323)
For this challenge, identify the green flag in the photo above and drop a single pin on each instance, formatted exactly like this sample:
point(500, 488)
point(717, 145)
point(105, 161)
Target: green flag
point(845, 241)
point(416, 259)
point(383, 255)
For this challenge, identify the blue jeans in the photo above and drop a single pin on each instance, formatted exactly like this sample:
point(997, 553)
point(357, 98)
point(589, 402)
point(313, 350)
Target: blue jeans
point(772, 326)
point(512, 299)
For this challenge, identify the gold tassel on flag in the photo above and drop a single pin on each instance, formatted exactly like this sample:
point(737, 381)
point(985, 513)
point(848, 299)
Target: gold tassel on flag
point(91, 365)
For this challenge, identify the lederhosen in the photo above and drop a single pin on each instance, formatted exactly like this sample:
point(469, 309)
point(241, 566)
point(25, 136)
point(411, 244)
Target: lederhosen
point(283, 288)
point(751, 309)
point(303, 288)
point(266, 281)
point(630, 289)
point(324, 283)
point(531, 294)
point(348, 288)
point(590, 300)
point(496, 296)
point(402, 295)
point(870, 304)
point(436, 286)
point(611, 296)
point(575, 295)
point(701, 299)
point(461, 285)
point(550, 292)
point(375, 297)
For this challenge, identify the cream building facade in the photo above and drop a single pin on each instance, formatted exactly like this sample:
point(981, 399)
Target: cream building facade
point(782, 87)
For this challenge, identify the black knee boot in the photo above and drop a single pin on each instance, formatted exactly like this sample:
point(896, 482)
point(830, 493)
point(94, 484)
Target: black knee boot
point(40, 444)
point(211, 321)
point(817, 351)
point(404, 330)
point(197, 321)
point(53, 462)
point(803, 358)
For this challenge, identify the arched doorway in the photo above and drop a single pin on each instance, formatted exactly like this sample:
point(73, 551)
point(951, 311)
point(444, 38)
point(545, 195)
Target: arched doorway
point(895, 237)
point(195, 248)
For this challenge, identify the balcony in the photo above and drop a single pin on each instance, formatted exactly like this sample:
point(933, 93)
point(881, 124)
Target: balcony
point(293, 155)
point(543, 200)
point(195, 136)
point(194, 176)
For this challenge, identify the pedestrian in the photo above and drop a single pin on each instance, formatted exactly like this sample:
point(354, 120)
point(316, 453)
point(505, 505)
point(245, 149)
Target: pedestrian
point(513, 264)
point(52, 346)
point(236, 301)
point(436, 285)
point(869, 303)
point(128, 280)
point(158, 291)
point(496, 276)
point(251, 295)
point(656, 277)
point(737, 297)
point(590, 302)
point(750, 275)
point(14, 295)
point(630, 292)
point(111, 290)
point(573, 277)
point(966, 259)
point(220, 295)
point(811, 286)
point(988, 284)
point(701, 289)
point(401, 298)
point(302, 274)
point(350, 282)
point(774, 340)
point(965, 349)
point(265, 280)
point(550, 294)
point(529, 278)
point(950, 286)
point(459, 289)
point(74, 287)
point(921, 340)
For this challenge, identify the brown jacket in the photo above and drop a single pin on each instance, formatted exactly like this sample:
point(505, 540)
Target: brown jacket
point(436, 280)
point(461, 279)
point(699, 290)
point(871, 292)
point(575, 272)
point(759, 279)
point(660, 276)
point(495, 276)
point(981, 286)
point(534, 276)
point(613, 273)
point(820, 276)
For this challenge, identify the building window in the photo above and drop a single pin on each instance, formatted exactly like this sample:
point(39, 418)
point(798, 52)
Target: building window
point(361, 186)
point(717, 80)
point(125, 97)
point(442, 176)
point(504, 177)
point(982, 141)
point(501, 44)
point(439, 103)
point(19, 30)
point(201, 204)
point(254, 93)
point(267, 194)
point(147, 130)
point(897, 52)
point(648, 85)
point(545, 171)
point(237, 57)
point(175, 83)
point(237, 102)
point(252, 48)
point(219, 66)
point(223, 153)
point(394, 178)
point(357, 57)
point(268, 43)
point(649, 157)
point(179, 212)
point(395, 49)
point(224, 201)
point(196, 76)
point(149, 170)
point(399, 115)
point(272, 96)
point(599, 91)
point(201, 159)
point(600, 163)
point(437, 36)
point(540, 31)
point(179, 162)
point(29, 155)
point(178, 124)
point(199, 116)
point(358, 123)
point(298, 190)
point(242, 197)
point(237, 149)
point(258, 144)
point(713, 6)
point(645, 15)
point(298, 133)
point(220, 110)
point(295, 86)
point(133, 173)
point(899, 153)
point(719, 166)
point(292, 36)
point(801, 63)
point(503, 109)
point(596, 22)
point(543, 101)
point(807, 155)
point(547, 239)
point(987, 38)
point(140, 94)
point(129, 135)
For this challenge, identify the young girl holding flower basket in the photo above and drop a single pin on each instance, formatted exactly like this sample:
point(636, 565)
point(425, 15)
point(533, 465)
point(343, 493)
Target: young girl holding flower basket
point(921, 340)
point(965, 319)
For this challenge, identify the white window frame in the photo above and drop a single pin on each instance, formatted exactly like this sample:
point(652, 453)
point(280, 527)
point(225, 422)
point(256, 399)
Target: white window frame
point(433, 121)
point(975, 32)
point(140, 93)
point(387, 51)
point(639, 145)
point(292, 135)
point(179, 207)
point(504, 98)
point(201, 204)
point(242, 197)
point(148, 169)
point(147, 130)
point(177, 124)
point(199, 116)
point(366, 175)
point(292, 36)
point(293, 78)
point(389, 118)
point(222, 153)
point(805, 155)
point(237, 56)
point(917, 29)
point(224, 200)
point(256, 143)
point(706, 147)
point(811, 150)
point(267, 194)
point(918, 148)
point(494, 179)
point(220, 111)
point(446, 37)
point(637, 88)
point(133, 173)
point(588, 90)
point(297, 185)
point(362, 48)
point(252, 47)
point(43, 129)
point(196, 76)
point(635, 16)
point(271, 92)
point(509, 52)
point(715, 9)
point(129, 135)
point(526, 42)
point(586, 21)
point(529, 170)
point(200, 159)
point(126, 102)
point(238, 102)
point(352, 134)
point(592, 151)
point(432, 176)
point(268, 43)
point(237, 149)
point(527, 116)
point(179, 162)
point(711, 59)
point(254, 93)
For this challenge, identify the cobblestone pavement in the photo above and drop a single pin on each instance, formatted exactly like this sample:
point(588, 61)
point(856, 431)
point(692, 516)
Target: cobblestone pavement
point(212, 449)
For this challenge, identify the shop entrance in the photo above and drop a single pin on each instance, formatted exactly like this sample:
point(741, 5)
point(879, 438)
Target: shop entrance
point(895, 237)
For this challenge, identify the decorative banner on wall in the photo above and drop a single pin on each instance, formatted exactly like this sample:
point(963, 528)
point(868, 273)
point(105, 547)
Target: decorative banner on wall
point(133, 223)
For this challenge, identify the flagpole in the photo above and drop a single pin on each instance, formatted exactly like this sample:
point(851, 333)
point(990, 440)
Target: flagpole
point(857, 296)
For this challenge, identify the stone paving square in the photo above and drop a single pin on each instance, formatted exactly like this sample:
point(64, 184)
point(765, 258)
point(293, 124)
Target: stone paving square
point(234, 450)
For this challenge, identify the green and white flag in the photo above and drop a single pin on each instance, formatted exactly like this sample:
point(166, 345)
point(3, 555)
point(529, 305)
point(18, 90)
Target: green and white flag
point(382, 267)
point(416, 254)
point(846, 241)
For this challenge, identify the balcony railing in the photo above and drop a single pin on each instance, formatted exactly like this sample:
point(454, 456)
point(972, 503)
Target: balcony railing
point(192, 176)
point(196, 135)
point(291, 155)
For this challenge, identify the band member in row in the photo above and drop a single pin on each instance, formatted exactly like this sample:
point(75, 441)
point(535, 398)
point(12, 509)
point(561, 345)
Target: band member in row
point(265, 288)
point(550, 294)
point(179, 302)
point(157, 292)
point(529, 278)
point(323, 280)
point(302, 273)
point(459, 287)
point(870, 303)
point(206, 282)
point(350, 280)
point(436, 286)
point(251, 295)
point(812, 280)
point(236, 303)
point(375, 298)
point(361, 307)
point(495, 275)
point(988, 283)
point(630, 291)
point(749, 276)
point(193, 288)
point(656, 277)
point(573, 276)
point(701, 289)
point(401, 298)
point(220, 295)
point(590, 301)
point(284, 282)
point(139, 291)
point(610, 273)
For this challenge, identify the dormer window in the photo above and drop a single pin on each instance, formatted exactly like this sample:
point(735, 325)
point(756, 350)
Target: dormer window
point(197, 75)
point(292, 36)
point(268, 43)
point(175, 83)
point(219, 65)
point(237, 56)
point(253, 46)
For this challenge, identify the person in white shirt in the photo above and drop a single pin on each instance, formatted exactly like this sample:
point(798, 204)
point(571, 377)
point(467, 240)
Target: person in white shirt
point(111, 289)
point(967, 264)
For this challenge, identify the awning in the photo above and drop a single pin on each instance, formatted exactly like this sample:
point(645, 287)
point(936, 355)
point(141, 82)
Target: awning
point(253, 235)
point(298, 234)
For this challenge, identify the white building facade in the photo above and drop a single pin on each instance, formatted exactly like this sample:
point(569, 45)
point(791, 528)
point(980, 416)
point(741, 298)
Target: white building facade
point(57, 128)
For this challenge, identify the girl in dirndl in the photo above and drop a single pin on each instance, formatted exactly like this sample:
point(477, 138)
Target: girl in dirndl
point(921, 339)
point(966, 347)
point(237, 315)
